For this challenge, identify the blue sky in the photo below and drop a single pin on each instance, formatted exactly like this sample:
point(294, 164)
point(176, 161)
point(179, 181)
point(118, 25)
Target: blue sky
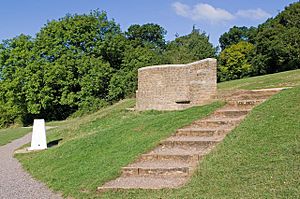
point(176, 16)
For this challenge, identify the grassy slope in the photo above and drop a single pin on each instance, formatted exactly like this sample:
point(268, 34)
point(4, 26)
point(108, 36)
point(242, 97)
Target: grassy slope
point(284, 79)
point(8, 135)
point(94, 148)
point(259, 159)
point(90, 139)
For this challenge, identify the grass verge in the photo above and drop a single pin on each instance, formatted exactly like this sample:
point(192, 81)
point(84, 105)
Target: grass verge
point(94, 148)
point(10, 134)
point(283, 79)
point(259, 159)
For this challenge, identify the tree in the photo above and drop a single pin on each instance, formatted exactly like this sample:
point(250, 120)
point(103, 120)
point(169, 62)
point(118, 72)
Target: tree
point(68, 66)
point(235, 61)
point(15, 55)
point(192, 47)
point(144, 47)
point(237, 34)
point(277, 42)
point(152, 35)
point(78, 55)
point(124, 82)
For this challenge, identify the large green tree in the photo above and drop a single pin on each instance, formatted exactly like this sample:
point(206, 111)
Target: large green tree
point(237, 34)
point(277, 42)
point(192, 47)
point(151, 35)
point(235, 61)
point(15, 55)
point(77, 54)
point(145, 45)
point(68, 66)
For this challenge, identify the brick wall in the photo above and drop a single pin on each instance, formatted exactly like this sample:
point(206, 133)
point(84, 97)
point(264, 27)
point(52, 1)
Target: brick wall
point(175, 87)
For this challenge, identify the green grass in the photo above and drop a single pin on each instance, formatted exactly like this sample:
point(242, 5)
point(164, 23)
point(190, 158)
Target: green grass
point(284, 79)
point(10, 134)
point(94, 148)
point(259, 159)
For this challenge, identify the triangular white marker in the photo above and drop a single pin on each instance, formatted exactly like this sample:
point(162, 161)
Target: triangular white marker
point(38, 141)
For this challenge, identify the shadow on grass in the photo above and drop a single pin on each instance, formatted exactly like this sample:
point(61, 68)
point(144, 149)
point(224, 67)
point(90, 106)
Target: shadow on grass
point(53, 143)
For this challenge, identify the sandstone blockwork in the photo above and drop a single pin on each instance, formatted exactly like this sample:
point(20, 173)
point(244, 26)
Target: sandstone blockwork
point(176, 87)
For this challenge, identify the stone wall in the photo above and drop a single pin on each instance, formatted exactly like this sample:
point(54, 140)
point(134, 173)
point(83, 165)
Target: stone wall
point(175, 87)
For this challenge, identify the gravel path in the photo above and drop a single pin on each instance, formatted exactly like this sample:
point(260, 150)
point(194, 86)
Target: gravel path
point(14, 181)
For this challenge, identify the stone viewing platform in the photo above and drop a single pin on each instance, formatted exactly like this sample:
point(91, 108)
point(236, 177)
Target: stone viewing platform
point(178, 86)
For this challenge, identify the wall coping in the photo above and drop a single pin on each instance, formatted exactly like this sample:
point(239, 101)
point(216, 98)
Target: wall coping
point(175, 65)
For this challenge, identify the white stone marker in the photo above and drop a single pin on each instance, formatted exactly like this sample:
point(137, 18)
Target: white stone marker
point(38, 141)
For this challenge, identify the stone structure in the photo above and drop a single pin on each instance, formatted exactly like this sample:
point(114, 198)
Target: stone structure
point(175, 87)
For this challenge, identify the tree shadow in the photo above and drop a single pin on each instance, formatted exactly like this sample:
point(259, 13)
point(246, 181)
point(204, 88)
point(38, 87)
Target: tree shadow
point(53, 143)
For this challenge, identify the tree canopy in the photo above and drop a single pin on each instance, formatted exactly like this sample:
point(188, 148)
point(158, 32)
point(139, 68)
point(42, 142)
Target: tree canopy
point(276, 46)
point(237, 34)
point(80, 63)
point(277, 41)
point(235, 61)
point(191, 47)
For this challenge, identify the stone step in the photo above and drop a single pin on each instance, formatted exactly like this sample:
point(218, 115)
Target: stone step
point(179, 150)
point(159, 168)
point(188, 131)
point(243, 104)
point(227, 112)
point(270, 90)
point(238, 94)
point(251, 97)
point(173, 157)
point(143, 182)
point(266, 93)
point(213, 122)
point(188, 142)
point(195, 139)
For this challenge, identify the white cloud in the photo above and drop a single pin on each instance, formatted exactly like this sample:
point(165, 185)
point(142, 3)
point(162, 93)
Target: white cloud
point(207, 13)
point(256, 14)
point(203, 12)
point(181, 9)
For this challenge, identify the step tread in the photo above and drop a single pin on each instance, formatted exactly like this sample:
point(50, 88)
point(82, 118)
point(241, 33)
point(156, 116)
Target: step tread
point(215, 118)
point(232, 109)
point(196, 138)
point(161, 150)
point(205, 129)
point(144, 182)
point(271, 89)
point(159, 164)
point(246, 100)
point(201, 129)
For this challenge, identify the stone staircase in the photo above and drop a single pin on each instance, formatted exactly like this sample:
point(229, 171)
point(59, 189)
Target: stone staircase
point(173, 161)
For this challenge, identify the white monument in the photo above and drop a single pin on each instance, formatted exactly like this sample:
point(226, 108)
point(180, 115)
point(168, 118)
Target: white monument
point(38, 141)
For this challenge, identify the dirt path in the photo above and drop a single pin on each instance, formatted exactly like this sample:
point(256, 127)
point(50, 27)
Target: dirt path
point(14, 181)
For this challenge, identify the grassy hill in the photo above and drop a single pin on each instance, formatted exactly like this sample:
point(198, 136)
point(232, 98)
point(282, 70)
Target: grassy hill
point(94, 148)
point(283, 79)
point(259, 159)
